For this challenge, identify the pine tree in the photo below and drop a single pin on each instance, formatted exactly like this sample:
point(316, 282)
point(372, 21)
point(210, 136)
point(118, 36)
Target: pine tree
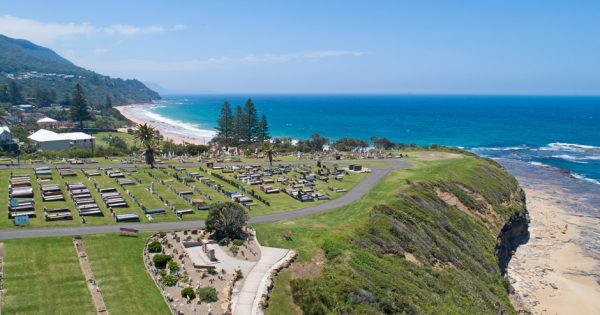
point(108, 102)
point(251, 123)
point(239, 127)
point(13, 94)
point(263, 129)
point(226, 126)
point(79, 110)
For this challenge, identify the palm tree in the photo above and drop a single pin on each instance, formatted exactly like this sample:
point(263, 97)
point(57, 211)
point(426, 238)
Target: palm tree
point(268, 149)
point(149, 138)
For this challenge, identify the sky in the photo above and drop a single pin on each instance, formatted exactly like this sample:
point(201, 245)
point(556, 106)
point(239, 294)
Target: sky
point(403, 47)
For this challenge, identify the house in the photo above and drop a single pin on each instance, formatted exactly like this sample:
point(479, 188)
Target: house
point(47, 123)
point(25, 107)
point(7, 143)
point(5, 135)
point(50, 140)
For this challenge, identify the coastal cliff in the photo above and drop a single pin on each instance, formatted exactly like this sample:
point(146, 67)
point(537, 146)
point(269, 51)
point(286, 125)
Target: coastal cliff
point(439, 244)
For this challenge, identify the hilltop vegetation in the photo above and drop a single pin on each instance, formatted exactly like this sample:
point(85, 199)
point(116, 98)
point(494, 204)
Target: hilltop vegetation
point(42, 74)
point(408, 247)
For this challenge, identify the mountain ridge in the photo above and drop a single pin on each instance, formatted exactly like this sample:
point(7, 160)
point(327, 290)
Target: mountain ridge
point(35, 67)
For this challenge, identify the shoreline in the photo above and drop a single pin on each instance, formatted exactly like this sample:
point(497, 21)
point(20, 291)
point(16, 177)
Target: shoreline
point(177, 131)
point(553, 273)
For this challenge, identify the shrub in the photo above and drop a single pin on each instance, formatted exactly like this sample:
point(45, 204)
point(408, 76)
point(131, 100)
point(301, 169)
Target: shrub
point(234, 249)
point(188, 293)
point(169, 280)
point(238, 274)
point(238, 242)
point(223, 241)
point(155, 247)
point(208, 294)
point(160, 260)
point(173, 265)
point(212, 272)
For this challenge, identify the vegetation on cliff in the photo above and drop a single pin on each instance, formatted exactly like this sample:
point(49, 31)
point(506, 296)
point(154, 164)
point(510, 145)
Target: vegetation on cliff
point(424, 241)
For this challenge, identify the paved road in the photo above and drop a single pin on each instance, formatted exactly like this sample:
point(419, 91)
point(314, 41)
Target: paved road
point(359, 190)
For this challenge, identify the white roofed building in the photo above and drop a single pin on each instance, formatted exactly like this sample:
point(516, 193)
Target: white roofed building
point(47, 123)
point(50, 140)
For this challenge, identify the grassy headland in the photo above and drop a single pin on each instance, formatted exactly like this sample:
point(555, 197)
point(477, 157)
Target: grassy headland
point(402, 248)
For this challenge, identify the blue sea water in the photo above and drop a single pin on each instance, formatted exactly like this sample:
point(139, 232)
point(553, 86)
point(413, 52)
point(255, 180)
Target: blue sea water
point(558, 131)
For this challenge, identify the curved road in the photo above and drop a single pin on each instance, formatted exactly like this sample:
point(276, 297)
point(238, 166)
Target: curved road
point(359, 190)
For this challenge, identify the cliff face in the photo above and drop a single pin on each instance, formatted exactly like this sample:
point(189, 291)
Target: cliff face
point(440, 245)
point(514, 233)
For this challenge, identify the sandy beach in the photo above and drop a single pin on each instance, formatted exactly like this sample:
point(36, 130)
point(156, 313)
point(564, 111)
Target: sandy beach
point(178, 131)
point(552, 274)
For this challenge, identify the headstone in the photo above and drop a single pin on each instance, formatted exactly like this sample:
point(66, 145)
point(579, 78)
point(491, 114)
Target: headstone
point(211, 255)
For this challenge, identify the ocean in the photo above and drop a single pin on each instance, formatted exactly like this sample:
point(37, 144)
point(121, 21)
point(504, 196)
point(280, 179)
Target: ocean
point(557, 132)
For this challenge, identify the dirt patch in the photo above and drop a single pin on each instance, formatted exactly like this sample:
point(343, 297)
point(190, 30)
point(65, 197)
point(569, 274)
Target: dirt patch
point(309, 269)
point(452, 200)
point(410, 257)
point(432, 156)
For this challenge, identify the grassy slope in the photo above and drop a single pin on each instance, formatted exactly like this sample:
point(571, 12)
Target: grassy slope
point(43, 276)
point(119, 270)
point(365, 244)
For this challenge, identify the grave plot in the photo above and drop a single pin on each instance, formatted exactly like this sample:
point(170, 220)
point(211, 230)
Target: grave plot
point(153, 208)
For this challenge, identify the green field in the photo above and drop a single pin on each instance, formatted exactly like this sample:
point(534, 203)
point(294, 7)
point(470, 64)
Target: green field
point(119, 269)
point(43, 276)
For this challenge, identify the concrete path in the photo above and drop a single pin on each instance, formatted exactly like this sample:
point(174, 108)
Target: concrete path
point(245, 300)
point(359, 190)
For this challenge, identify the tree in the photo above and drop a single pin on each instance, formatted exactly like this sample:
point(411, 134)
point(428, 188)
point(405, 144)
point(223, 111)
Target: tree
point(317, 142)
point(13, 93)
point(350, 144)
point(225, 126)
point(382, 143)
point(79, 110)
point(263, 129)
point(149, 137)
point(251, 122)
point(238, 127)
point(226, 220)
point(108, 102)
point(268, 148)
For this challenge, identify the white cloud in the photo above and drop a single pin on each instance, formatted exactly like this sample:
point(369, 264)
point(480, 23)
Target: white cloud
point(100, 51)
point(130, 30)
point(48, 32)
point(178, 27)
point(220, 62)
point(41, 32)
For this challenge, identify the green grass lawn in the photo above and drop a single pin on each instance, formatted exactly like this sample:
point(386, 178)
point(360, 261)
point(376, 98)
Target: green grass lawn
point(119, 269)
point(43, 276)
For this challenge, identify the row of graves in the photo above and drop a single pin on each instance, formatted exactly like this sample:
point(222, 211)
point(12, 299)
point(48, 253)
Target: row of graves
point(19, 188)
point(113, 198)
point(133, 180)
point(85, 204)
point(298, 182)
point(188, 194)
point(240, 196)
point(51, 192)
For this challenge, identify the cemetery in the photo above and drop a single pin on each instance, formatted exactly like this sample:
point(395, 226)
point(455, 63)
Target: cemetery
point(65, 196)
